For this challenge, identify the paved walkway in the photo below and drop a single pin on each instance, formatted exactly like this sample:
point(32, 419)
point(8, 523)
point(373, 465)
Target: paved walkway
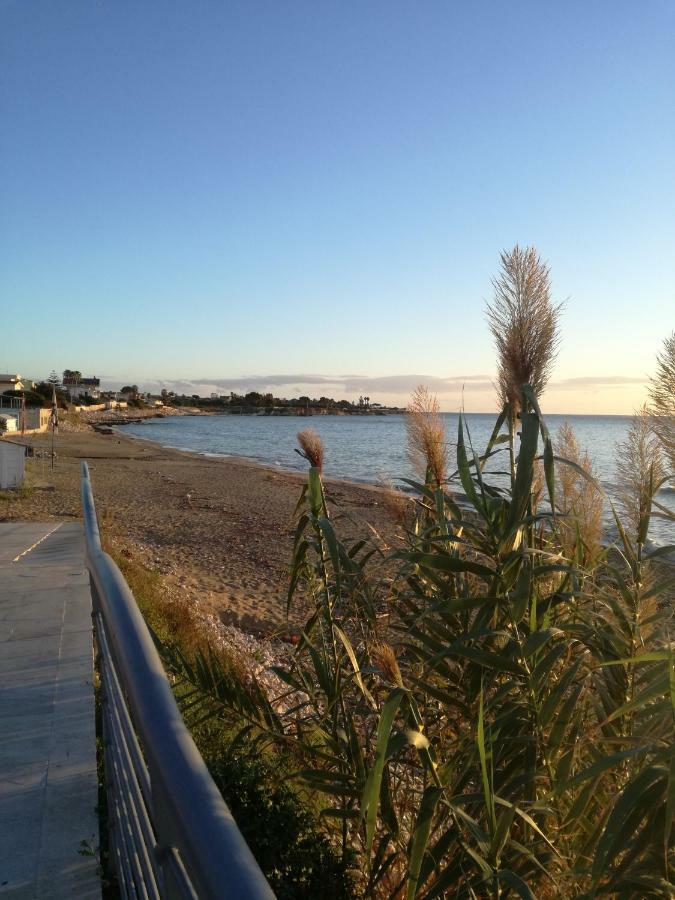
point(48, 787)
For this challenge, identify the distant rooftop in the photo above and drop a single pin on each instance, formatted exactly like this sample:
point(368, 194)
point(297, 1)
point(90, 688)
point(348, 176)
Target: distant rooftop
point(73, 382)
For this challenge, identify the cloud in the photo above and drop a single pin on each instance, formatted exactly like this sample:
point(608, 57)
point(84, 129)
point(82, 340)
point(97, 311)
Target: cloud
point(595, 381)
point(391, 388)
point(302, 382)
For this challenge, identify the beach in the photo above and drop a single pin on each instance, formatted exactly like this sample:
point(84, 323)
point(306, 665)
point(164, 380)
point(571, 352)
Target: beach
point(219, 531)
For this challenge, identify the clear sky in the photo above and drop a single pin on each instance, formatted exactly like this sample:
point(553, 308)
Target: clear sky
point(313, 196)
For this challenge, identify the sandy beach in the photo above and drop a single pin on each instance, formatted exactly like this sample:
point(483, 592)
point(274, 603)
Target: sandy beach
point(219, 531)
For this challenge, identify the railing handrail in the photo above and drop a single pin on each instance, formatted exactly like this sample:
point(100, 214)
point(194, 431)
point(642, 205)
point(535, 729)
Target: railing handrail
point(194, 817)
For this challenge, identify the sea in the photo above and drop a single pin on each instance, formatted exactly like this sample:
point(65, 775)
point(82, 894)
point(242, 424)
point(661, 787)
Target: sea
point(373, 448)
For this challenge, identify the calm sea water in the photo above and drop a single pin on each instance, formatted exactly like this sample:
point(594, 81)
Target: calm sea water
point(369, 448)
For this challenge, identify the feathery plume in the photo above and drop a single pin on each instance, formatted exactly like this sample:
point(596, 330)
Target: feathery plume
point(427, 448)
point(311, 447)
point(576, 498)
point(639, 462)
point(385, 659)
point(524, 323)
point(662, 396)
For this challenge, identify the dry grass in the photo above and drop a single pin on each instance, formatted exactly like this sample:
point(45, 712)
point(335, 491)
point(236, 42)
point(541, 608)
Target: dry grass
point(576, 498)
point(524, 323)
point(639, 460)
point(311, 448)
point(662, 396)
point(427, 448)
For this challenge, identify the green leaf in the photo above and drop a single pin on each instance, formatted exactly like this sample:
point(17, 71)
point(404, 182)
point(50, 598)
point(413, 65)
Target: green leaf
point(529, 437)
point(482, 752)
point(371, 791)
point(315, 492)
point(328, 533)
point(443, 562)
point(420, 837)
point(464, 469)
point(636, 800)
point(549, 471)
point(516, 882)
point(355, 665)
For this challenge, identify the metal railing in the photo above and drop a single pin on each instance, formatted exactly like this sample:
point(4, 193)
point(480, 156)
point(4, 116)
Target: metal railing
point(171, 833)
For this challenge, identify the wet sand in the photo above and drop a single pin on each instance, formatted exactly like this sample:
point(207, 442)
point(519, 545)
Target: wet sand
point(218, 530)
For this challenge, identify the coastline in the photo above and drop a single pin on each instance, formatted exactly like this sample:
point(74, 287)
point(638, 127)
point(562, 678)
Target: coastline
point(218, 531)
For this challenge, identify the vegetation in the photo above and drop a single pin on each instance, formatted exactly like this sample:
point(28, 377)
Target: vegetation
point(255, 401)
point(487, 710)
point(282, 829)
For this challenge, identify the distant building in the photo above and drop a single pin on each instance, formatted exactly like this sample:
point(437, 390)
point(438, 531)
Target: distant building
point(79, 387)
point(11, 383)
point(11, 422)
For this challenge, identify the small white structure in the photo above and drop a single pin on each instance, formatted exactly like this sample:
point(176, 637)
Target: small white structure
point(12, 465)
point(10, 422)
point(78, 387)
point(9, 382)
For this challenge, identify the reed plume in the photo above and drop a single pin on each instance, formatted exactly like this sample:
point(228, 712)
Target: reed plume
point(311, 448)
point(662, 396)
point(394, 501)
point(524, 323)
point(576, 497)
point(384, 657)
point(427, 449)
point(639, 465)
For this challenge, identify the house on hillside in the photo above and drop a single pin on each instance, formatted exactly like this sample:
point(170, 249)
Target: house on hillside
point(79, 387)
point(12, 383)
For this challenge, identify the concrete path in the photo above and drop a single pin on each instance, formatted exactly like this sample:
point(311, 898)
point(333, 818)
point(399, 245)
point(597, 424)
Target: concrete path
point(48, 785)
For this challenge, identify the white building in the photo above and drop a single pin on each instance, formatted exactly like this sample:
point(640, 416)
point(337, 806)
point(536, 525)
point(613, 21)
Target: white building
point(12, 465)
point(10, 383)
point(11, 422)
point(79, 387)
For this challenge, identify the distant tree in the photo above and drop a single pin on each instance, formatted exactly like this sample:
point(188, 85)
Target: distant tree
point(54, 378)
point(42, 395)
point(69, 373)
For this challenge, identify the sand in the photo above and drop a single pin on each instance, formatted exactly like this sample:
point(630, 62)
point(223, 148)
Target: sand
point(219, 530)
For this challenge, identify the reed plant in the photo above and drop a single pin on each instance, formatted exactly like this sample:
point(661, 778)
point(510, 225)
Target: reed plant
point(499, 720)
point(662, 397)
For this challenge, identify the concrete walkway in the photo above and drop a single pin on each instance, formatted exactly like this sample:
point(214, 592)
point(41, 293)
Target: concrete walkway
point(48, 785)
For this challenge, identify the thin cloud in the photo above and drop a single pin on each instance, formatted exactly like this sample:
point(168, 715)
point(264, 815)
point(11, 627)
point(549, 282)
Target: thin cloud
point(301, 382)
point(583, 381)
point(295, 384)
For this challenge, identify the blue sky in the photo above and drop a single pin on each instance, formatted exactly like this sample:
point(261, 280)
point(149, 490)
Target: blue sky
point(222, 195)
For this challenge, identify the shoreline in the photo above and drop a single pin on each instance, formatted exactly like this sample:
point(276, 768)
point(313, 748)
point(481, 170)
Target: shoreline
point(271, 467)
point(217, 530)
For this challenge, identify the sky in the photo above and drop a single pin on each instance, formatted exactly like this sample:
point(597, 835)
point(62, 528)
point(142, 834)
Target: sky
point(312, 197)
